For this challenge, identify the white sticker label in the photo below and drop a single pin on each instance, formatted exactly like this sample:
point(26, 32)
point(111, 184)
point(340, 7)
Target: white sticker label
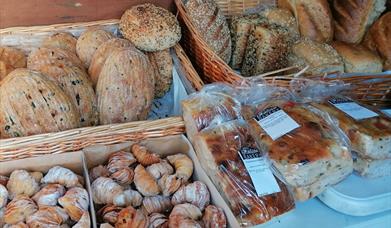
point(276, 122)
point(262, 177)
point(351, 108)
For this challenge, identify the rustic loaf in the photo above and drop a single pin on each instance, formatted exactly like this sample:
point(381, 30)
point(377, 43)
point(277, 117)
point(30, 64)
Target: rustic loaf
point(358, 58)
point(162, 63)
point(212, 25)
point(10, 59)
point(150, 28)
point(63, 40)
point(378, 39)
point(321, 58)
point(125, 89)
point(267, 48)
point(52, 56)
point(217, 149)
point(31, 104)
point(353, 18)
point(311, 157)
point(89, 41)
point(77, 85)
point(313, 17)
point(101, 54)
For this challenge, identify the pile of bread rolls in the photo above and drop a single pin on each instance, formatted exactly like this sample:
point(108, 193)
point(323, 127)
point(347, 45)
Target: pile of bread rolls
point(56, 199)
point(94, 79)
point(328, 36)
point(141, 189)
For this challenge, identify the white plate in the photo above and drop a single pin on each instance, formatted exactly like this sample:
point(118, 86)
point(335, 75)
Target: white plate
point(359, 196)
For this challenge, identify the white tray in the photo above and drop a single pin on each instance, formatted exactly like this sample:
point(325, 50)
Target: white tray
point(359, 196)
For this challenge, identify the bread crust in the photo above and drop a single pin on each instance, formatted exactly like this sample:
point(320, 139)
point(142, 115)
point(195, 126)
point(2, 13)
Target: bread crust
point(10, 59)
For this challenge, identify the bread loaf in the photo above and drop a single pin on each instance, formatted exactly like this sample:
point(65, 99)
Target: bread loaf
point(313, 17)
point(52, 56)
point(211, 24)
point(31, 104)
point(150, 28)
point(77, 85)
point(357, 58)
point(321, 58)
point(88, 43)
point(378, 39)
point(353, 18)
point(125, 89)
point(162, 63)
point(10, 59)
point(63, 40)
point(101, 54)
point(266, 50)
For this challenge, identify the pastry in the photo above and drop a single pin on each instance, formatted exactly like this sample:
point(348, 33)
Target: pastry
point(21, 183)
point(145, 183)
point(169, 184)
point(156, 204)
point(61, 175)
point(123, 176)
point(128, 198)
point(184, 215)
point(75, 202)
point(98, 171)
point(130, 217)
point(157, 220)
point(3, 196)
point(120, 160)
point(160, 169)
point(104, 190)
point(47, 216)
point(214, 217)
point(143, 156)
point(195, 193)
point(49, 195)
point(183, 165)
point(19, 209)
point(109, 213)
point(84, 221)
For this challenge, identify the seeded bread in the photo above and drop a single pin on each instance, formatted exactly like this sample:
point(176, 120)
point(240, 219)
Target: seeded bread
point(10, 59)
point(370, 138)
point(353, 18)
point(378, 39)
point(212, 25)
point(88, 43)
point(370, 168)
point(320, 57)
point(161, 61)
point(313, 17)
point(150, 28)
point(62, 40)
point(357, 58)
point(310, 157)
point(266, 50)
point(217, 149)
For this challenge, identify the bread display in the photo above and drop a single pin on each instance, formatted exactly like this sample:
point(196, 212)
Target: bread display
point(314, 18)
point(44, 201)
point(125, 89)
point(88, 43)
point(211, 24)
point(358, 58)
point(63, 40)
point(162, 63)
point(311, 157)
point(353, 18)
point(10, 59)
point(377, 39)
point(144, 202)
point(320, 57)
point(150, 28)
point(30, 104)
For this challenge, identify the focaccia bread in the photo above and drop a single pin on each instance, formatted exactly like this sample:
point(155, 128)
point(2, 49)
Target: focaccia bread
point(370, 138)
point(310, 157)
point(217, 148)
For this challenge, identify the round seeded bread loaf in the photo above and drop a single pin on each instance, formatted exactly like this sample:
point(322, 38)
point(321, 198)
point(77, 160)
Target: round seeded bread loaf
point(101, 54)
point(63, 40)
point(10, 59)
point(150, 28)
point(88, 43)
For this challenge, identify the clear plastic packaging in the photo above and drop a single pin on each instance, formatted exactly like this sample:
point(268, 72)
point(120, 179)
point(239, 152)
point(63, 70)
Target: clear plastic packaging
point(218, 148)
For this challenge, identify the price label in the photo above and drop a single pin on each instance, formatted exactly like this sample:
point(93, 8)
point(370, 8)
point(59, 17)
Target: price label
point(260, 173)
point(276, 122)
point(351, 108)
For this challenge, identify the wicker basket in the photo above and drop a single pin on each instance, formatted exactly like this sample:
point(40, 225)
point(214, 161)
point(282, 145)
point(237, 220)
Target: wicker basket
point(27, 38)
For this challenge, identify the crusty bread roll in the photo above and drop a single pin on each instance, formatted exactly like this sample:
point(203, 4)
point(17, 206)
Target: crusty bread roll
point(321, 58)
point(313, 17)
point(353, 17)
point(150, 28)
point(211, 24)
point(358, 58)
point(378, 38)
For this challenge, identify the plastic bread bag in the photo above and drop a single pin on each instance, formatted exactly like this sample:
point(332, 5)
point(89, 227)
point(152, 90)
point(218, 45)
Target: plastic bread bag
point(241, 173)
point(214, 104)
point(307, 149)
point(368, 129)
